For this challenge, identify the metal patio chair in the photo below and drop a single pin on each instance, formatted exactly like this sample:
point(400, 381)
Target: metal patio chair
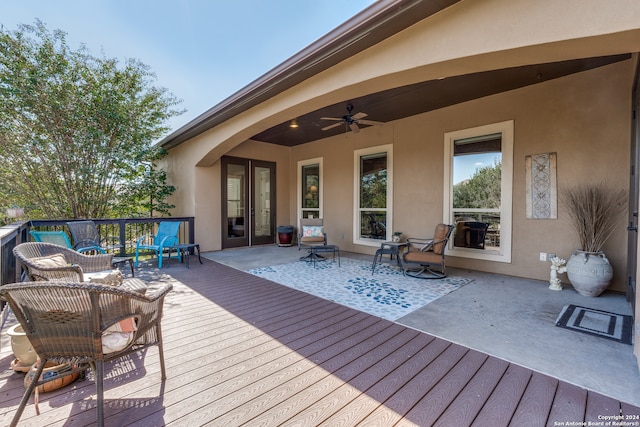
point(311, 234)
point(86, 238)
point(55, 237)
point(424, 258)
point(164, 239)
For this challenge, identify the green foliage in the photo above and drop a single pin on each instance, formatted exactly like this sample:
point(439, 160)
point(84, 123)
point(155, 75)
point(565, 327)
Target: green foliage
point(373, 190)
point(481, 191)
point(75, 129)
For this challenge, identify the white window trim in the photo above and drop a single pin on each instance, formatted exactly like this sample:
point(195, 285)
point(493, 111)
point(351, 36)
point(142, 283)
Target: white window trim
point(388, 149)
point(506, 202)
point(301, 163)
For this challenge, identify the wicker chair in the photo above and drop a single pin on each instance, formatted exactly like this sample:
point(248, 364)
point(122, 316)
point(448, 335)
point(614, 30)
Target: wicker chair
point(70, 323)
point(424, 258)
point(75, 267)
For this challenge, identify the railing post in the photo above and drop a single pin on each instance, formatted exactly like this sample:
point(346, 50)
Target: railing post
point(123, 237)
point(192, 231)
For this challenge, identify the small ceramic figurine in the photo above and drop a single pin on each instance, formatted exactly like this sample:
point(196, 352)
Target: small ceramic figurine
point(558, 265)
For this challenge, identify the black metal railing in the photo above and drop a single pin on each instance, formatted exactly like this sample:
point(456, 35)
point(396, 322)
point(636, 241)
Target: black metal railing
point(126, 230)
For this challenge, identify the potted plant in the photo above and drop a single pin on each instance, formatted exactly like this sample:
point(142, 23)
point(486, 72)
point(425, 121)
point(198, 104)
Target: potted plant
point(397, 235)
point(594, 210)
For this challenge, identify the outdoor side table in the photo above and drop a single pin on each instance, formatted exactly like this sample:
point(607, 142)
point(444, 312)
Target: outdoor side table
point(185, 250)
point(325, 249)
point(387, 248)
point(118, 260)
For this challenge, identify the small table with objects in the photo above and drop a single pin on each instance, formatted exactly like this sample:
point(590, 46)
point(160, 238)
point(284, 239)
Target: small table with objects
point(387, 248)
point(185, 250)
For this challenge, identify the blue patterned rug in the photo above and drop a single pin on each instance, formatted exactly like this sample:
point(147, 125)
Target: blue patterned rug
point(387, 293)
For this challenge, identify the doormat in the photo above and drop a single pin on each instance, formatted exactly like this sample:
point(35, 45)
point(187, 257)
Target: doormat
point(387, 293)
point(600, 323)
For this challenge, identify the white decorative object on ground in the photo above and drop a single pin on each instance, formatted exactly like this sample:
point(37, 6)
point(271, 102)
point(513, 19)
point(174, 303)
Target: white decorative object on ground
point(558, 265)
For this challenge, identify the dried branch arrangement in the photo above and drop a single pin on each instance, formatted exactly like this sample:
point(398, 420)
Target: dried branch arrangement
point(595, 211)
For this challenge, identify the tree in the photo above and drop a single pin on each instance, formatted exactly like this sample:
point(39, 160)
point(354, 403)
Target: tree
point(481, 191)
point(75, 128)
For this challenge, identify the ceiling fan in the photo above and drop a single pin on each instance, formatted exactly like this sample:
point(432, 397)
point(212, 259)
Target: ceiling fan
point(351, 120)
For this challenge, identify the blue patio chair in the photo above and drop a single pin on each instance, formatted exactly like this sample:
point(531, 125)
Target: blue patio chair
point(55, 237)
point(165, 238)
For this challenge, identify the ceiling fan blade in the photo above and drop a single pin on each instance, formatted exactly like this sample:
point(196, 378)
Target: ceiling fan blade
point(370, 122)
point(359, 116)
point(354, 127)
point(331, 118)
point(331, 126)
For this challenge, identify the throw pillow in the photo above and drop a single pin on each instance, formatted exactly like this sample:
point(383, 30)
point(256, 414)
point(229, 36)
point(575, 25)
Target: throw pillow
point(312, 231)
point(51, 261)
point(118, 336)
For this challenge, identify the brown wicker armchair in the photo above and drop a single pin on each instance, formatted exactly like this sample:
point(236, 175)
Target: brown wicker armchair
point(40, 262)
point(424, 258)
point(71, 323)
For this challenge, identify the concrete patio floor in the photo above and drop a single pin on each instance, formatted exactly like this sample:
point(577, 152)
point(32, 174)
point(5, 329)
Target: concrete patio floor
point(509, 318)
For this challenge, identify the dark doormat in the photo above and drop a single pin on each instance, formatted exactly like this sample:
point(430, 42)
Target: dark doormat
point(617, 327)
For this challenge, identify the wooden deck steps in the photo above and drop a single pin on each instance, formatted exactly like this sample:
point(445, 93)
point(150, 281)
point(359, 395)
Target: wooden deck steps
point(241, 350)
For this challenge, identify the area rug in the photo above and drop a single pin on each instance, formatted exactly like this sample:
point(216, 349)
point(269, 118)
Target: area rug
point(386, 294)
point(603, 324)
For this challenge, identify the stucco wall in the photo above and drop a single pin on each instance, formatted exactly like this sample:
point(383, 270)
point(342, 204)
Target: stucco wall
point(583, 118)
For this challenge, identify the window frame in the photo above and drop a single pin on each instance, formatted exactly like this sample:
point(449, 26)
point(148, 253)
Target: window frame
point(506, 129)
point(357, 154)
point(301, 164)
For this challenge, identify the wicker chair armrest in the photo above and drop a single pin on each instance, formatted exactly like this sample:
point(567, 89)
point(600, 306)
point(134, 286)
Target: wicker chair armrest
point(155, 293)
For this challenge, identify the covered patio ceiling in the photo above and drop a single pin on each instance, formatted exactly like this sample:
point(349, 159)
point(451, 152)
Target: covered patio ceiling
point(406, 101)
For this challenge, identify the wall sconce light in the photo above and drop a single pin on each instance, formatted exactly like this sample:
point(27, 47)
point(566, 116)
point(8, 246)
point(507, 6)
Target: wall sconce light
point(293, 124)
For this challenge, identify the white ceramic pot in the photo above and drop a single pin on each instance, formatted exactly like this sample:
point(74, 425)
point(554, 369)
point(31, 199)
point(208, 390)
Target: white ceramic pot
point(21, 346)
point(589, 272)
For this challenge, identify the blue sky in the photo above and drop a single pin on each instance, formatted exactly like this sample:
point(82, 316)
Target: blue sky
point(202, 51)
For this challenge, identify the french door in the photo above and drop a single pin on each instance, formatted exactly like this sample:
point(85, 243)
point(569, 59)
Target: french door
point(248, 202)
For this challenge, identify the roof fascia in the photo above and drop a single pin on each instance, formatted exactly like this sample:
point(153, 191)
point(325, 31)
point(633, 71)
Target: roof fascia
point(379, 21)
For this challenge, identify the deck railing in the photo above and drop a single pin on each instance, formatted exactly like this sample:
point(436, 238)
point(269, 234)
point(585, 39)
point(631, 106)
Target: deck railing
point(127, 231)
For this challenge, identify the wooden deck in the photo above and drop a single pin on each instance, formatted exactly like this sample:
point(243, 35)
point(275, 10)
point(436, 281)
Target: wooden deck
point(241, 350)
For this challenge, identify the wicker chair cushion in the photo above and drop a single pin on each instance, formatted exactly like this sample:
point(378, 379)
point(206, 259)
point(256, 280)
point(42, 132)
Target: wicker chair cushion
point(51, 261)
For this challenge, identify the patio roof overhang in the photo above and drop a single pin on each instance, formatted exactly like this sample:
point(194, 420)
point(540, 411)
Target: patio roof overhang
point(417, 98)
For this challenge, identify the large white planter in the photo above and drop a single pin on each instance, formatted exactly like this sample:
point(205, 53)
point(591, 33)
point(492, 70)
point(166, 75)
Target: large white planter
point(589, 272)
point(21, 346)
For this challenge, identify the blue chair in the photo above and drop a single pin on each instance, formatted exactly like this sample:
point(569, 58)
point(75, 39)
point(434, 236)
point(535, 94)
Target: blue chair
point(55, 237)
point(165, 238)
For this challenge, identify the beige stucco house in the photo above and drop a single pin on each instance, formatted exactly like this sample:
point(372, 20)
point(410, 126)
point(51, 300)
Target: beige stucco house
point(548, 90)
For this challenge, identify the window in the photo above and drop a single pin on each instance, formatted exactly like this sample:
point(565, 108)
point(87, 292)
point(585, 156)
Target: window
point(310, 188)
point(477, 191)
point(373, 184)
